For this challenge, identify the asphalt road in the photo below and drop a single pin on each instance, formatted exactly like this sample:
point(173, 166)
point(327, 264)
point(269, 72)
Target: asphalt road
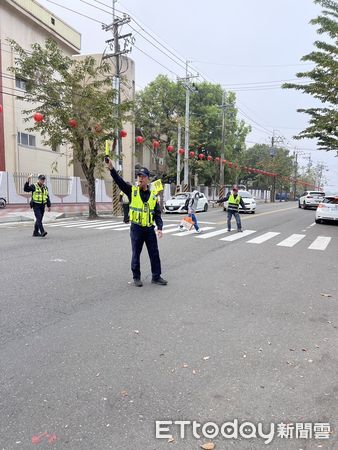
point(242, 331)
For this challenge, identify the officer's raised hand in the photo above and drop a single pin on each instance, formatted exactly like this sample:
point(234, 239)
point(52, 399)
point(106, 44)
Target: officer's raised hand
point(109, 163)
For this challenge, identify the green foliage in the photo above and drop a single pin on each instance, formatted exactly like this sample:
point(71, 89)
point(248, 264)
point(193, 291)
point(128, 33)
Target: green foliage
point(61, 89)
point(323, 123)
point(161, 106)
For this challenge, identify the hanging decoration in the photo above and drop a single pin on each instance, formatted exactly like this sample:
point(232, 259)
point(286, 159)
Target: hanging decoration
point(38, 117)
point(170, 148)
point(72, 123)
point(139, 139)
point(191, 154)
point(156, 144)
point(123, 133)
point(181, 151)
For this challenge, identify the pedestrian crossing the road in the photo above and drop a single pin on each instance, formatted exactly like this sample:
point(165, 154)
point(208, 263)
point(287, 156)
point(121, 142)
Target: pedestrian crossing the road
point(319, 243)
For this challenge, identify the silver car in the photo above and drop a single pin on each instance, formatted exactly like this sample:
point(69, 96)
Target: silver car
point(176, 203)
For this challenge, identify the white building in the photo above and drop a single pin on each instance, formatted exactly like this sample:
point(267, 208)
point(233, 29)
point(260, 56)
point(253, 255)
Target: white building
point(27, 22)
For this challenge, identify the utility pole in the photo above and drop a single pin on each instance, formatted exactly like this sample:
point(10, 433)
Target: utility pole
point(188, 88)
point(114, 45)
point(221, 174)
point(116, 54)
point(295, 154)
point(178, 166)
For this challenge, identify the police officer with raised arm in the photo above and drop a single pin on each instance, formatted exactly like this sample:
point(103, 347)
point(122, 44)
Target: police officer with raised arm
point(234, 200)
point(40, 198)
point(144, 211)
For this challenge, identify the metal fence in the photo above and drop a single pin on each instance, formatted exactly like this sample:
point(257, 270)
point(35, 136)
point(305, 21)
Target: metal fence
point(59, 185)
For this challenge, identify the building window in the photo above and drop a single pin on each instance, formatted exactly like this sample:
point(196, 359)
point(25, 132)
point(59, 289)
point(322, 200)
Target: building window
point(26, 139)
point(20, 83)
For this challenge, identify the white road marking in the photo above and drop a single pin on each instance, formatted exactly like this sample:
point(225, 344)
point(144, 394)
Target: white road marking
point(320, 243)
point(234, 237)
point(313, 224)
point(62, 224)
point(187, 233)
point(291, 240)
point(116, 226)
point(108, 222)
point(212, 234)
point(263, 238)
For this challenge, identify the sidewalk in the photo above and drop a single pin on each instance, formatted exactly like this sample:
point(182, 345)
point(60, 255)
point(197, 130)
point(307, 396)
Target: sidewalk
point(23, 213)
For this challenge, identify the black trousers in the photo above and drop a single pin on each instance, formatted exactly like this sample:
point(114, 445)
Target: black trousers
point(139, 236)
point(39, 211)
point(125, 207)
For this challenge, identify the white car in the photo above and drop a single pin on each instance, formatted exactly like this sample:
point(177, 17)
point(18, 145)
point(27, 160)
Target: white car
point(176, 203)
point(310, 199)
point(328, 209)
point(249, 202)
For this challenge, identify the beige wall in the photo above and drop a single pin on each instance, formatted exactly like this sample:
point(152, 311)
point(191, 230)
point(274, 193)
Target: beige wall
point(25, 28)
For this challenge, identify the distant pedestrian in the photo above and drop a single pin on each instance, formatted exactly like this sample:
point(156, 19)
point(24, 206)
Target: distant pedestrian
point(124, 200)
point(144, 211)
point(192, 208)
point(234, 200)
point(40, 199)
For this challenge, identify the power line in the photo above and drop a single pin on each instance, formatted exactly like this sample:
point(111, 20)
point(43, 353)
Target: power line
point(76, 12)
point(250, 65)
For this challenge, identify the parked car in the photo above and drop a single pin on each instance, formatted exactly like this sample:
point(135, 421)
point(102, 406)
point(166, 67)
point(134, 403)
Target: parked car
point(249, 202)
point(327, 209)
point(310, 199)
point(176, 203)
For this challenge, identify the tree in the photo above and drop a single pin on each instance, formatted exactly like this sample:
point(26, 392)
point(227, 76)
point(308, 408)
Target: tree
point(161, 105)
point(77, 103)
point(324, 81)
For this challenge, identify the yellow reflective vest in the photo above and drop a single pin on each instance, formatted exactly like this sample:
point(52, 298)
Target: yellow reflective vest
point(139, 212)
point(233, 203)
point(40, 195)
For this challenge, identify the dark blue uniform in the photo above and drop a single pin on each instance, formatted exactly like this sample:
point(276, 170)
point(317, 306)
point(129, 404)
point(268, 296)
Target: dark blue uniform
point(142, 235)
point(39, 210)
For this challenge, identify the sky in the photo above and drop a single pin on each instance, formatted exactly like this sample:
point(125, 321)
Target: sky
point(248, 46)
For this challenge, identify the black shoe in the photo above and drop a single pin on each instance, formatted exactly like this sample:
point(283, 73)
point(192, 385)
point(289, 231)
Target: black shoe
point(240, 231)
point(44, 234)
point(36, 234)
point(138, 282)
point(159, 281)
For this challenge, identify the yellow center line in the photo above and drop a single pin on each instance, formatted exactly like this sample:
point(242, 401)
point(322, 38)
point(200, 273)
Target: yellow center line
point(254, 216)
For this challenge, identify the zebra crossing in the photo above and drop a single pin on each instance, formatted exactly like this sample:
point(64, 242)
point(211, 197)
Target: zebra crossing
point(320, 243)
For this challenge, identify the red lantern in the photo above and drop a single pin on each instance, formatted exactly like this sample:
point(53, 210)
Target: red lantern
point(139, 139)
point(201, 156)
point(98, 128)
point(209, 158)
point(38, 117)
point(72, 123)
point(230, 164)
point(181, 151)
point(191, 154)
point(224, 161)
point(1, 108)
point(217, 159)
point(123, 133)
point(156, 144)
point(170, 148)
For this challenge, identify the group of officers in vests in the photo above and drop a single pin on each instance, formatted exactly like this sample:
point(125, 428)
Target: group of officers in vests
point(144, 214)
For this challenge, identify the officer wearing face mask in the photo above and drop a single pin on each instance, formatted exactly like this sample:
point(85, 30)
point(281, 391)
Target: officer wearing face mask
point(144, 211)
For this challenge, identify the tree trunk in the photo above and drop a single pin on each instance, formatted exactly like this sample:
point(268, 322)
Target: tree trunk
point(92, 202)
